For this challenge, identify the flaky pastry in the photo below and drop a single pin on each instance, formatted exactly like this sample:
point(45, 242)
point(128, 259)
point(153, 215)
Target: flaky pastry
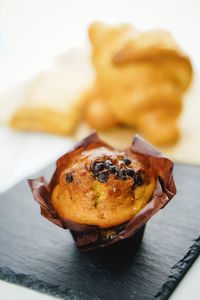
point(53, 103)
point(98, 113)
point(141, 77)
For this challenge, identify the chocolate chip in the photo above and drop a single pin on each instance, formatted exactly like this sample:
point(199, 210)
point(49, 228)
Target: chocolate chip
point(69, 178)
point(126, 160)
point(130, 172)
point(113, 169)
point(122, 174)
point(138, 179)
point(108, 162)
point(103, 177)
point(98, 167)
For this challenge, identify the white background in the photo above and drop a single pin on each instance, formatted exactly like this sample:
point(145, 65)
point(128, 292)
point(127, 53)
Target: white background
point(32, 33)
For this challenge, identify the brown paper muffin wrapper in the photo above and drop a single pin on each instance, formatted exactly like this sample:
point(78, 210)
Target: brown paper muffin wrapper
point(90, 237)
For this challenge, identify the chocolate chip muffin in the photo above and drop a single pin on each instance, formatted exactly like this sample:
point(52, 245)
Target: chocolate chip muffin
point(102, 187)
point(104, 195)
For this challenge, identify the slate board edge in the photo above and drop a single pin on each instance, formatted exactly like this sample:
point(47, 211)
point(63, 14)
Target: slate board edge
point(177, 273)
point(32, 282)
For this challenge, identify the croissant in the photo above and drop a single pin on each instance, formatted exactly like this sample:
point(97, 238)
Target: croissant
point(141, 78)
point(98, 113)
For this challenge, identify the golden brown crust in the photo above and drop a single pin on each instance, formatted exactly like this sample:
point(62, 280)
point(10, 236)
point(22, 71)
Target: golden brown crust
point(98, 113)
point(122, 50)
point(141, 76)
point(87, 200)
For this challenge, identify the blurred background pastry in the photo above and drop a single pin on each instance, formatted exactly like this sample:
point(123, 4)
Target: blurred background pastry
point(53, 102)
point(98, 113)
point(141, 78)
point(127, 82)
point(139, 82)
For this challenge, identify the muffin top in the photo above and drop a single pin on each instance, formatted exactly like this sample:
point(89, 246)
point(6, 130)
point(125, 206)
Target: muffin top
point(102, 187)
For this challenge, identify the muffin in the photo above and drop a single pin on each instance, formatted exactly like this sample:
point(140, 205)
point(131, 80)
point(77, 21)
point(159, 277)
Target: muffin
point(104, 195)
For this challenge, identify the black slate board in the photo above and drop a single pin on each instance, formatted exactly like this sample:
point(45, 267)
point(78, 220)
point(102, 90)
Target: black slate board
point(42, 256)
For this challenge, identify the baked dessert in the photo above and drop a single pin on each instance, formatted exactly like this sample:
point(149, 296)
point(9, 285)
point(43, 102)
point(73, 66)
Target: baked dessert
point(105, 183)
point(141, 78)
point(53, 103)
point(104, 195)
point(98, 113)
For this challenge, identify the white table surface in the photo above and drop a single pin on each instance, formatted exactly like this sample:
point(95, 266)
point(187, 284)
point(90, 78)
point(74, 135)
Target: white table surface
point(32, 33)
